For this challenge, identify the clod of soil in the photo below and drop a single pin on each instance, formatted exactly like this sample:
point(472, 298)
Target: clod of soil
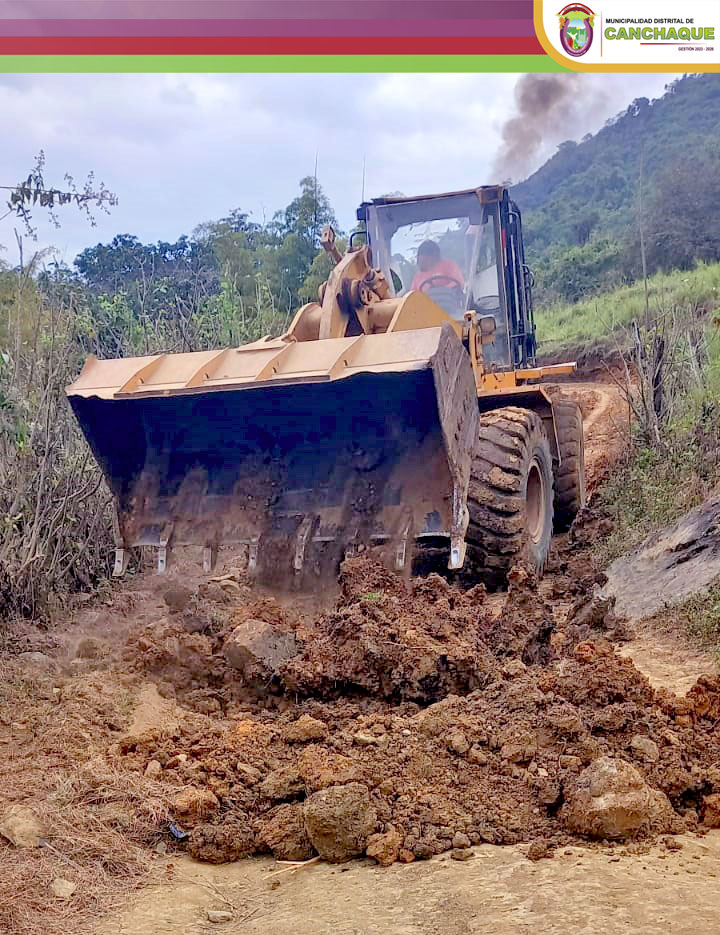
point(339, 821)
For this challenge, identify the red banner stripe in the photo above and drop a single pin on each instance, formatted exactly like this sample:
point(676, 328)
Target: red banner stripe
point(234, 45)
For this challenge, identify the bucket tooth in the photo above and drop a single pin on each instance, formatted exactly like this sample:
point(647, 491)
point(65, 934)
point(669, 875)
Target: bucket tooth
point(458, 547)
point(122, 557)
point(301, 541)
point(208, 559)
point(253, 551)
point(401, 550)
point(163, 549)
point(352, 547)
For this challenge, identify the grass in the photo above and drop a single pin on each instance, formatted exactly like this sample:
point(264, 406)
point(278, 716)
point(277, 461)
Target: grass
point(100, 822)
point(699, 616)
point(646, 491)
point(594, 319)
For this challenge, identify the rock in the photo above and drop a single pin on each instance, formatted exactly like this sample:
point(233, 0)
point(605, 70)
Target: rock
point(519, 749)
point(258, 649)
point(645, 748)
point(176, 760)
point(88, 648)
point(320, 768)
point(21, 827)
point(249, 775)
point(153, 769)
point(478, 756)
point(283, 833)
point(61, 888)
point(219, 915)
point(366, 740)
point(570, 762)
point(305, 728)
point(711, 810)
point(195, 803)
point(549, 791)
point(177, 598)
point(230, 840)
point(461, 853)
point(566, 723)
point(339, 821)
point(38, 660)
point(539, 850)
point(513, 667)
point(460, 841)
point(405, 856)
point(422, 851)
point(282, 783)
point(458, 743)
point(385, 848)
point(194, 623)
point(610, 799)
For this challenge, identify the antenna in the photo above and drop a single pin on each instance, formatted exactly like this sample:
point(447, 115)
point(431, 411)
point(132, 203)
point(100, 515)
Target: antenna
point(362, 199)
point(315, 210)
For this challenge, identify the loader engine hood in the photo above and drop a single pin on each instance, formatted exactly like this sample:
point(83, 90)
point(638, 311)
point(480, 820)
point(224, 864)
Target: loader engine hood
point(297, 453)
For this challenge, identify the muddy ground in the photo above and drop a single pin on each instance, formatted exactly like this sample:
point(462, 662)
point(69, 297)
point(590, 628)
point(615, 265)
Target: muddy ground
point(404, 721)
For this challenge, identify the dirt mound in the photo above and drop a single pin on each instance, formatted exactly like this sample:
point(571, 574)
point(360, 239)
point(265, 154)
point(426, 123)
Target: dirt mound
point(414, 715)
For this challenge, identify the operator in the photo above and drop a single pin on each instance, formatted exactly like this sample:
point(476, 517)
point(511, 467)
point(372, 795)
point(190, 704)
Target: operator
point(431, 264)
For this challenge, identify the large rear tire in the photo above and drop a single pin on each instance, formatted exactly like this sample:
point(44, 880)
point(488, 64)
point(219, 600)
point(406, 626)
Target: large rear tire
point(570, 488)
point(510, 499)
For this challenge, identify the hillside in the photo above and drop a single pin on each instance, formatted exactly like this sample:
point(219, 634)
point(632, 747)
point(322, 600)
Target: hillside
point(588, 193)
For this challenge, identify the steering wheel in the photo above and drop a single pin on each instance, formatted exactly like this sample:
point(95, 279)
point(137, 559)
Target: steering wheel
point(432, 281)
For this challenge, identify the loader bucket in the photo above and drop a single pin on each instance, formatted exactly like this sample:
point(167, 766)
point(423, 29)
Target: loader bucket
point(299, 453)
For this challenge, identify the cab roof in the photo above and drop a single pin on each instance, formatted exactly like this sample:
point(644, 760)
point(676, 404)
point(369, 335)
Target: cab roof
point(487, 194)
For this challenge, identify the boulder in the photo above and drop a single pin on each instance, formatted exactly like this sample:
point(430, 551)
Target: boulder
point(610, 799)
point(258, 649)
point(711, 810)
point(283, 832)
point(339, 821)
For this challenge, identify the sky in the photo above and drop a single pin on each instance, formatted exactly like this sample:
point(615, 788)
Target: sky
point(181, 149)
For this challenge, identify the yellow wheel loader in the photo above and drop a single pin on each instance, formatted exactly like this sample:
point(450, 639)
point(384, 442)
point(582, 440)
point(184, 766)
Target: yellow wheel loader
point(400, 411)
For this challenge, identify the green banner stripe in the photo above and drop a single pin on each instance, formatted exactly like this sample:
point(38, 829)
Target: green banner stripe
point(278, 63)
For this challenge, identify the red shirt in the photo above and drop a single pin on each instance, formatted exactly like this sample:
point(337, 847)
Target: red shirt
point(442, 267)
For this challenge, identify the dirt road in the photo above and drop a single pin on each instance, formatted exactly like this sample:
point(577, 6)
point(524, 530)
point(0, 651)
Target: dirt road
point(578, 892)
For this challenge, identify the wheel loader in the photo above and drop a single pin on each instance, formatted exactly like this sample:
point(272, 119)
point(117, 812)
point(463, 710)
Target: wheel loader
point(401, 412)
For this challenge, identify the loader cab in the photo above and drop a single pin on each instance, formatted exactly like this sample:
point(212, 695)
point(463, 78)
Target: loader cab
point(465, 251)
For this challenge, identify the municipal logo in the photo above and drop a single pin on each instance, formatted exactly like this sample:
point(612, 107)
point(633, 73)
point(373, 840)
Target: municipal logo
point(576, 29)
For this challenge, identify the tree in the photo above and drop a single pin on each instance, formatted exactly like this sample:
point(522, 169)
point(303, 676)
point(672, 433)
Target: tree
point(681, 217)
point(307, 214)
point(34, 192)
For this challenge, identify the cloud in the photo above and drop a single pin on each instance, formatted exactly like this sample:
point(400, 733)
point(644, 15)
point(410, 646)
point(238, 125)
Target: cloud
point(179, 149)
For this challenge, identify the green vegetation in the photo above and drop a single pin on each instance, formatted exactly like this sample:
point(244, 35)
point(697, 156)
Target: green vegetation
point(698, 616)
point(663, 478)
point(596, 319)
